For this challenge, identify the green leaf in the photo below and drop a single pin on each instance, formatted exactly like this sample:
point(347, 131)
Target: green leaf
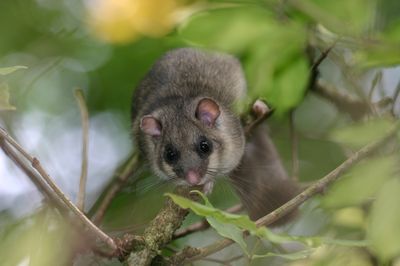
point(9, 70)
point(5, 98)
point(362, 133)
point(228, 29)
point(361, 183)
point(36, 237)
point(241, 221)
point(277, 67)
point(279, 75)
point(289, 85)
point(392, 33)
point(384, 223)
point(224, 223)
point(383, 51)
point(229, 231)
point(263, 232)
point(341, 16)
point(382, 54)
point(232, 225)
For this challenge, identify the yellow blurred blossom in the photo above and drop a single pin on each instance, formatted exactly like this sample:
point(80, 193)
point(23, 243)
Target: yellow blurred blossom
point(122, 21)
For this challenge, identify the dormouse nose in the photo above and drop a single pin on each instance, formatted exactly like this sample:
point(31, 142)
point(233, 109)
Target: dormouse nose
point(192, 167)
point(193, 177)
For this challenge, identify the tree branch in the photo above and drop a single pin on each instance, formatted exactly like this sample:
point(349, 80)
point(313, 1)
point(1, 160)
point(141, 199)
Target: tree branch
point(192, 254)
point(49, 195)
point(80, 98)
point(161, 228)
point(95, 231)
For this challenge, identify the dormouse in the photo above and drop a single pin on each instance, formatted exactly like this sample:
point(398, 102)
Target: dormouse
point(183, 119)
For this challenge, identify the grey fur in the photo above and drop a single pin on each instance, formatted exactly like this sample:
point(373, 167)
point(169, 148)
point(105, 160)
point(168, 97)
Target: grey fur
point(260, 179)
point(171, 92)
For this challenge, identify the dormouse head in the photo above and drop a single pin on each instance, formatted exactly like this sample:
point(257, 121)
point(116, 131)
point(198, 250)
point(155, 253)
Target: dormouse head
point(192, 140)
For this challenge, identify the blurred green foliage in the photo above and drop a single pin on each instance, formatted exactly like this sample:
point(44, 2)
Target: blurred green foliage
point(383, 227)
point(368, 175)
point(32, 240)
point(362, 133)
point(270, 66)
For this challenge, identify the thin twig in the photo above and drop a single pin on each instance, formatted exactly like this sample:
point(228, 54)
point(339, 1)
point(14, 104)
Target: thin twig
point(323, 55)
point(318, 187)
point(395, 97)
point(196, 227)
point(91, 226)
point(114, 188)
point(81, 216)
point(377, 79)
point(374, 83)
point(322, 184)
point(22, 164)
point(294, 147)
point(4, 134)
point(314, 73)
point(80, 98)
point(51, 197)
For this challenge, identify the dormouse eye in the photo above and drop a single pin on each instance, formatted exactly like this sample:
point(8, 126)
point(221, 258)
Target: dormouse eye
point(171, 154)
point(204, 147)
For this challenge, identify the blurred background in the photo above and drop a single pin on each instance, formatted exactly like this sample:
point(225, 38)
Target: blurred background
point(105, 47)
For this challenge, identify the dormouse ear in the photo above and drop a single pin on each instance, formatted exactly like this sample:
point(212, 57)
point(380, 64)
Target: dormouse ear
point(207, 111)
point(150, 125)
